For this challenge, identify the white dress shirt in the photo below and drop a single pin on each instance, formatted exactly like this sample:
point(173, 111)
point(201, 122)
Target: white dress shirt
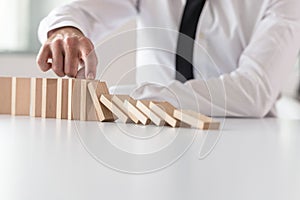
point(243, 52)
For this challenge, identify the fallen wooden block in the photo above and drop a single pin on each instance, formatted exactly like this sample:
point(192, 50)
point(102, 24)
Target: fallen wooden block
point(133, 110)
point(129, 104)
point(143, 105)
point(196, 120)
point(91, 112)
point(106, 100)
point(95, 91)
point(165, 110)
point(5, 97)
point(49, 98)
point(119, 100)
point(20, 103)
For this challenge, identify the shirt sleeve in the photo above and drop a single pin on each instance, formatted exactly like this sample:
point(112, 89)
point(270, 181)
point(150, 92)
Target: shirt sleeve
point(253, 88)
point(95, 18)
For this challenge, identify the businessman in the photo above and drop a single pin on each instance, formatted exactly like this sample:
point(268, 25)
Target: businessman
point(250, 46)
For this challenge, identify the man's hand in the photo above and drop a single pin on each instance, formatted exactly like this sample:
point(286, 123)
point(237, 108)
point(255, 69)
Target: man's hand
point(68, 48)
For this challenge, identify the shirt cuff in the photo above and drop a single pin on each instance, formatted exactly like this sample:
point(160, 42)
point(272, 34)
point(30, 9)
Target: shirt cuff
point(45, 27)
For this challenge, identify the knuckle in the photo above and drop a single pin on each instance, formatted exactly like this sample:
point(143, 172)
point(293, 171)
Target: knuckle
point(71, 41)
point(84, 40)
point(57, 42)
point(70, 72)
point(87, 52)
point(46, 47)
point(56, 67)
point(60, 75)
point(58, 72)
point(39, 61)
point(43, 67)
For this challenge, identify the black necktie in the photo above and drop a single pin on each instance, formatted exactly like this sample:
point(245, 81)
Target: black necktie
point(186, 37)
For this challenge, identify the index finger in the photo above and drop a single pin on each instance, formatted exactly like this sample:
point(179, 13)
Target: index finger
point(89, 59)
point(42, 58)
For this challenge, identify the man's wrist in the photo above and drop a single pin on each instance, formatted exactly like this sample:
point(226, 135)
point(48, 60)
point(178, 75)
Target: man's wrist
point(64, 29)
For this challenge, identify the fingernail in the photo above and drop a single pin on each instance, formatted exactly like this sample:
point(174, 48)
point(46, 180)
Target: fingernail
point(91, 76)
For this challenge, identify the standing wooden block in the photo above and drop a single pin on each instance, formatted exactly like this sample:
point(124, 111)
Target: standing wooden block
point(5, 97)
point(62, 99)
point(196, 120)
point(87, 109)
point(36, 97)
point(85, 103)
point(74, 97)
point(80, 103)
point(83, 95)
point(91, 114)
point(71, 83)
point(95, 91)
point(143, 105)
point(20, 96)
point(165, 110)
point(106, 100)
point(49, 98)
point(119, 100)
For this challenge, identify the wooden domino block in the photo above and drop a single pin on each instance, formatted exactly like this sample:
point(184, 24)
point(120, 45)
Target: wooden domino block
point(20, 96)
point(91, 113)
point(95, 91)
point(119, 100)
point(165, 111)
point(62, 98)
point(5, 97)
point(106, 100)
point(36, 97)
point(80, 102)
point(83, 94)
point(87, 108)
point(49, 98)
point(74, 97)
point(129, 105)
point(133, 110)
point(196, 120)
point(143, 105)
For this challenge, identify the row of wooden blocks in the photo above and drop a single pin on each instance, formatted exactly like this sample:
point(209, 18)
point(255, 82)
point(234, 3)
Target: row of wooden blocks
point(48, 97)
point(89, 100)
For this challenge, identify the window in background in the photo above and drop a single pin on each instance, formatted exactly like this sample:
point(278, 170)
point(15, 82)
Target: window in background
point(19, 20)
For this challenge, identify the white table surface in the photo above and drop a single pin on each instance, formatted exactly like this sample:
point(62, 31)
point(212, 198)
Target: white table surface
point(53, 160)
